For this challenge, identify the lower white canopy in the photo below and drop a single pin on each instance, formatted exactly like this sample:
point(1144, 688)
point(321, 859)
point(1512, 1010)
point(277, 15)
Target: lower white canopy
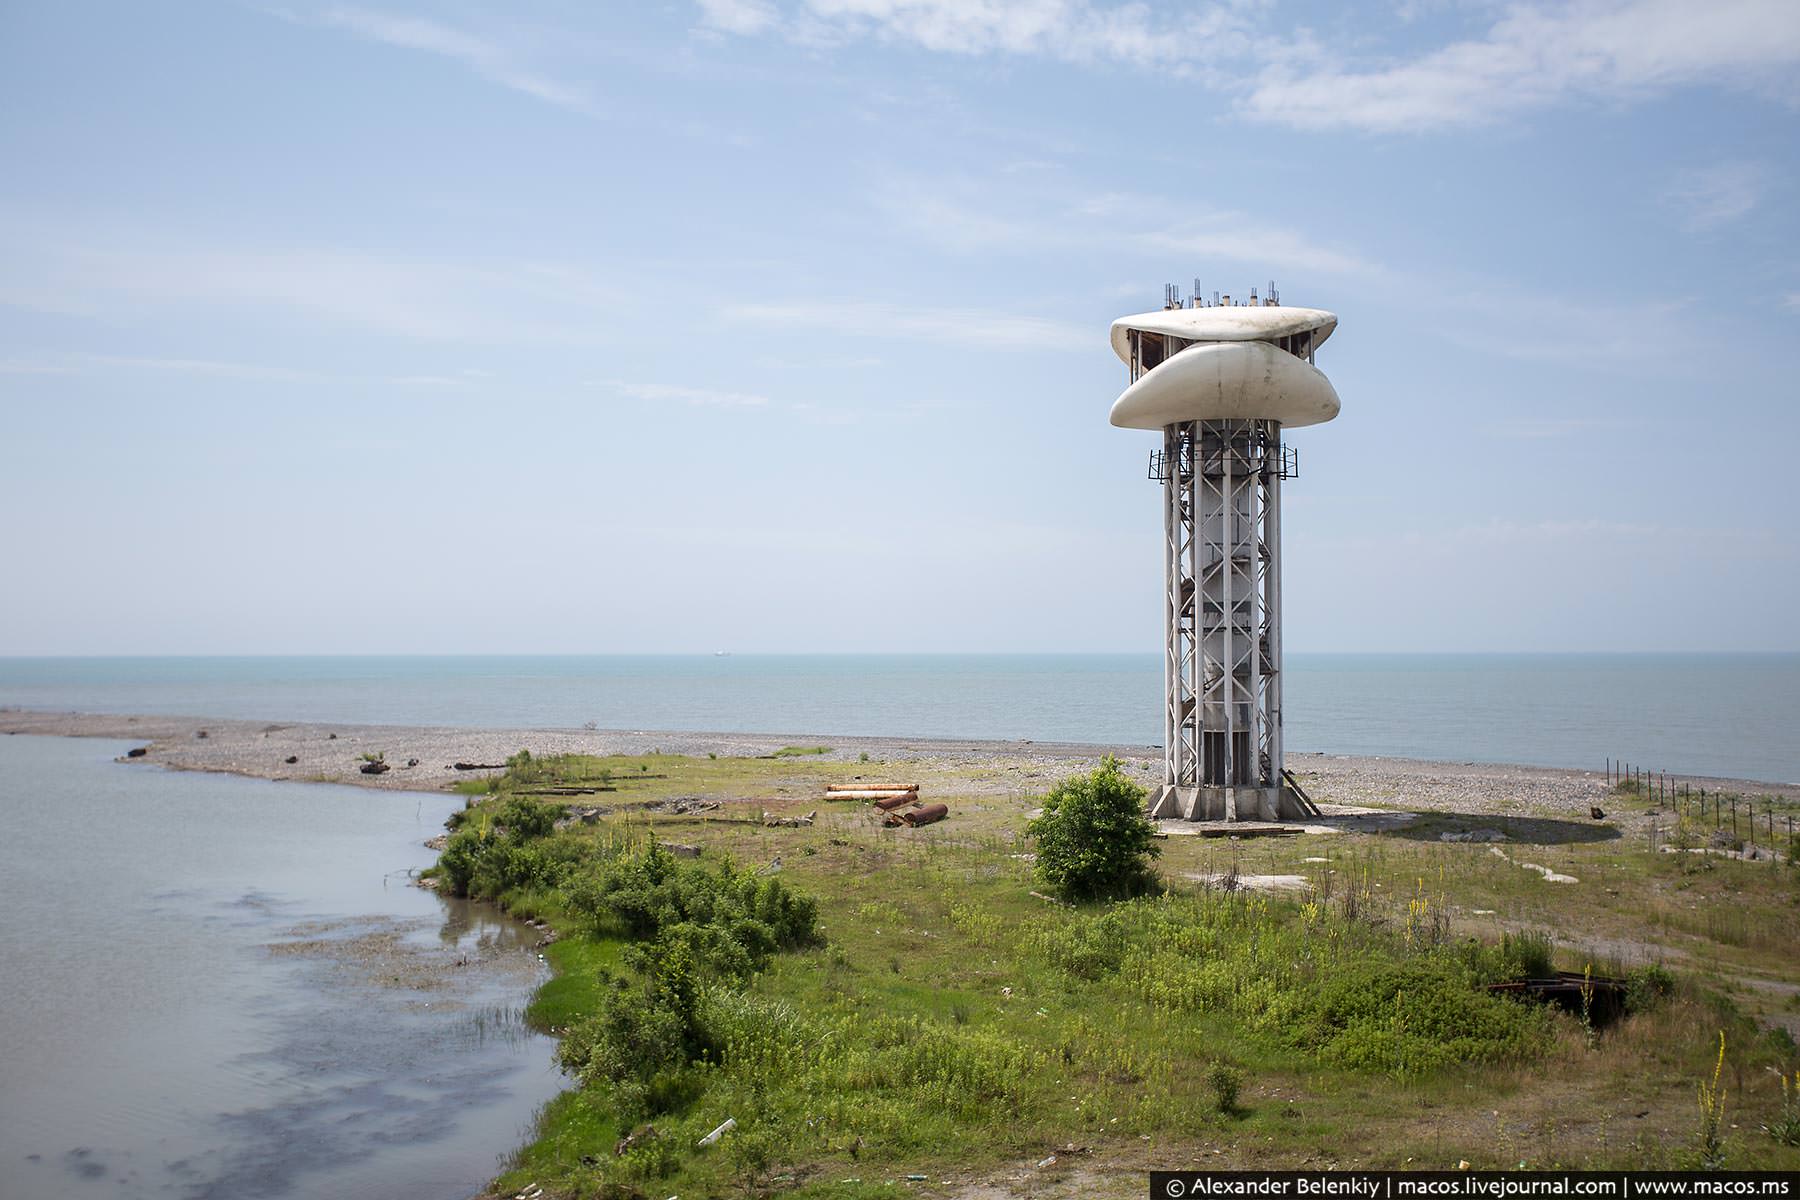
point(1215, 381)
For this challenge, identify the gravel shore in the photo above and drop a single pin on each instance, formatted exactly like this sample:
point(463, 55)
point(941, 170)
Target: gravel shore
point(332, 753)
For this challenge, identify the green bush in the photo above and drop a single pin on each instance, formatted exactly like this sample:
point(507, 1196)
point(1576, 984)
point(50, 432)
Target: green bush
point(636, 1046)
point(1406, 1018)
point(1344, 992)
point(1093, 839)
point(495, 850)
point(1647, 986)
point(1226, 1082)
point(730, 920)
point(1086, 947)
point(522, 818)
point(691, 928)
point(1530, 954)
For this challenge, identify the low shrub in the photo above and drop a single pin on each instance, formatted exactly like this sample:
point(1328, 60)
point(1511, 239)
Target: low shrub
point(1093, 839)
point(1785, 1128)
point(1647, 986)
point(1087, 947)
point(1344, 992)
point(1226, 1082)
point(697, 934)
point(1529, 954)
point(494, 850)
point(1407, 1018)
point(731, 920)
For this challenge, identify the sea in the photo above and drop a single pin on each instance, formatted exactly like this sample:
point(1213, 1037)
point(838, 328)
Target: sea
point(1723, 715)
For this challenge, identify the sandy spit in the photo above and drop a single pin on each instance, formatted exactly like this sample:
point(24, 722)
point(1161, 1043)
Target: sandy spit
point(332, 753)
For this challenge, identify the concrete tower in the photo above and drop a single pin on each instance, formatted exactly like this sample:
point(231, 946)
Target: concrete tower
point(1220, 380)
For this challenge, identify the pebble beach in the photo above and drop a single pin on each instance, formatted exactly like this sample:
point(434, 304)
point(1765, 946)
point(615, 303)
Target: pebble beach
point(334, 753)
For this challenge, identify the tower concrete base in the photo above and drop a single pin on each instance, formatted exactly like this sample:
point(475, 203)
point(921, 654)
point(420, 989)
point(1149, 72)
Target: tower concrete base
point(1225, 804)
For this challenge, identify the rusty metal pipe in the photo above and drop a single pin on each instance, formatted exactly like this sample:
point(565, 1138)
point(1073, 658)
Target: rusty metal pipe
point(927, 815)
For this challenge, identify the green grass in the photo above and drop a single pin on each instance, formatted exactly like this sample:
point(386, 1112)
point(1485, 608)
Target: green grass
point(800, 751)
point(952, 1024)
point(574, 990)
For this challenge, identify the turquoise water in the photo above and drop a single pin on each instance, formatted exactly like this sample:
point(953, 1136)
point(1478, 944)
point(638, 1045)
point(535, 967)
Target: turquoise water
point(1728, 715)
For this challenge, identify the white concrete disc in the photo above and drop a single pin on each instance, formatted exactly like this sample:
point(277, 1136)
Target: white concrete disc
point(1228, 381)
point(1224, 324)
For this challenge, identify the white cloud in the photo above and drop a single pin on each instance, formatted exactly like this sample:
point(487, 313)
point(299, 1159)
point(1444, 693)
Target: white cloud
point(706, 397)
point(486, 57)
point(737, 16)
point(1532, 56)
point(132, 273)
point(214, 368)
point(979, 217)
point(992, 329)
point(957, 27)
point(1542, 428)
point(1069, 30)
point(1234, 238)
point(1483, 536)
point(1706, 197)
point(845, 362)
point(13, 366)
point(1537, 55)
point(1593, 331)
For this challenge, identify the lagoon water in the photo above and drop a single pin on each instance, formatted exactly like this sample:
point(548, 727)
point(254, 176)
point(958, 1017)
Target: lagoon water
point(1733, 715)
point(157, 1041)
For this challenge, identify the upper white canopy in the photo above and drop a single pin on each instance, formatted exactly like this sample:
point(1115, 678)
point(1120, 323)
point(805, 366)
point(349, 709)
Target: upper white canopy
point(1224, 323)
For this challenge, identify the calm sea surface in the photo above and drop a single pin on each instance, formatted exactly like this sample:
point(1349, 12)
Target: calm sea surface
point(157, 1041)
point(1729, 715)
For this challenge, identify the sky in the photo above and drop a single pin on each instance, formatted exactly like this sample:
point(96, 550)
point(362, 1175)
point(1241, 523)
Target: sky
point(781, 325)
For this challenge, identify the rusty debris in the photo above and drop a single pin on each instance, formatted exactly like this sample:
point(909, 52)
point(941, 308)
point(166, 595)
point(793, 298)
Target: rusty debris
point(1600, 997)
point(925, 814)
point(890, 803)
point(641, 1134)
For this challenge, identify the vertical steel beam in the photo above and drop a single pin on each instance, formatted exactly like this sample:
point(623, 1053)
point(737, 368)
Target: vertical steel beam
point(1171, 606)
point(1258, 447)
point(1192, 662)
point(1227, 665)
point(1272, 538)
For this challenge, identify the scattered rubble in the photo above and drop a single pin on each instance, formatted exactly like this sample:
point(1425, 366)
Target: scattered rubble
point(1472, 835)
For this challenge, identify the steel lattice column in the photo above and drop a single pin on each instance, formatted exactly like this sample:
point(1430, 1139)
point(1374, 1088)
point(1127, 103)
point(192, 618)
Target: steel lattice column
point(1222, 524)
